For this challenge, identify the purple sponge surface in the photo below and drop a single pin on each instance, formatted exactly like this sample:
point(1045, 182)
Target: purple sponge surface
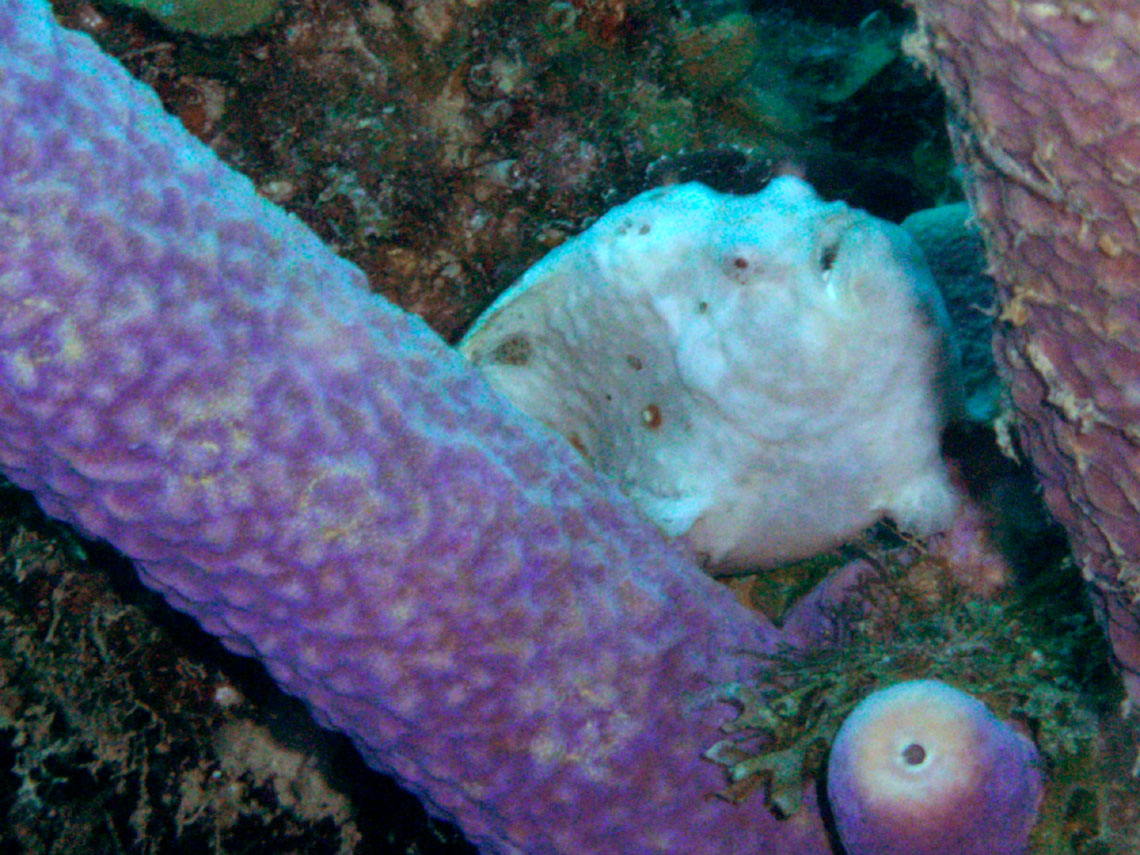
point(187, 372)
point(921, 768)
point(1047, 97)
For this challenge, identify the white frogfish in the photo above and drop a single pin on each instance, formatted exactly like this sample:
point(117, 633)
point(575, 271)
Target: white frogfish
point(764, 375)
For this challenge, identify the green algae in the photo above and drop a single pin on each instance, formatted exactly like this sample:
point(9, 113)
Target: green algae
point(714, 56)
point(208, 17)
point(663, 125)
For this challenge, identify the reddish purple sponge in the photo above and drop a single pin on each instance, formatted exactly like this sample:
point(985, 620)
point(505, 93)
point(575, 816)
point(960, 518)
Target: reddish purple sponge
point(921, 768)
point(1047, 97)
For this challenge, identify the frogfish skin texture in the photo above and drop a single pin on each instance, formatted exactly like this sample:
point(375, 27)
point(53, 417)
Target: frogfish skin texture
point(1044, 98)
point(188, 373)
point(765, 375)
point(921, 768)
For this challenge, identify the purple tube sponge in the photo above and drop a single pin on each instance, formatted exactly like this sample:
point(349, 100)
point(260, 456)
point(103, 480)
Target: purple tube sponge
point(187, 372)
point(921, 768)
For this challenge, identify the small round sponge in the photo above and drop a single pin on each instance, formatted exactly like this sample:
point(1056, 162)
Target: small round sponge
point(921, 768)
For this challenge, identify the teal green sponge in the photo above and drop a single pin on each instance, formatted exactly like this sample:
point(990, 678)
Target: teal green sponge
point(208, 17)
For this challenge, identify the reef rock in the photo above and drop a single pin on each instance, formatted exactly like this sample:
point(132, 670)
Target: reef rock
point(952, 243)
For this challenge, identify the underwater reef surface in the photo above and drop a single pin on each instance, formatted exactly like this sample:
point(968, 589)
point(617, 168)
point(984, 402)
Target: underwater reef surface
point(313, 145)
point(444, 146)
